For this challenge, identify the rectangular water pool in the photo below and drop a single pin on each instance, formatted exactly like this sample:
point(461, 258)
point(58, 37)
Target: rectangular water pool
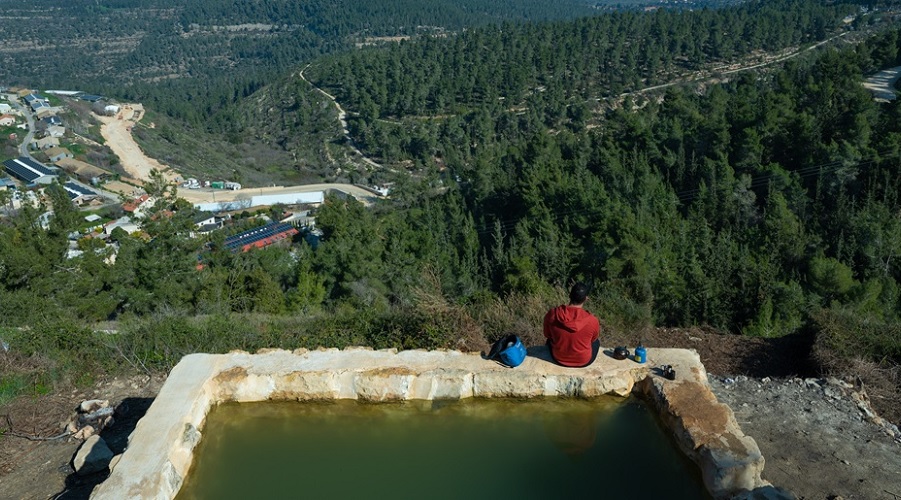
point(494, 449)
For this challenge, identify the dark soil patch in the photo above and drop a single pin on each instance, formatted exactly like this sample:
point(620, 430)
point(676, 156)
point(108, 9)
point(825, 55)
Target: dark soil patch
point(727, 354)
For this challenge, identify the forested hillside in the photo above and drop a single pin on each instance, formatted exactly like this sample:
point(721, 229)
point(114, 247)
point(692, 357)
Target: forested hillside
point(191, 59)
point(589, 58)
point(746, 208)
point(532, 76)
point(767, 205)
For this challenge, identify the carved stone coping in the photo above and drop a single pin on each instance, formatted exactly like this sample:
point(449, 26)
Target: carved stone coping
point(160, 450)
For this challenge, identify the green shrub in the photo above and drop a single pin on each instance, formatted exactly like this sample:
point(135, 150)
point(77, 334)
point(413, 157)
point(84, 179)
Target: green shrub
point(621, 310)
point(846, 335)
point(782, 314)
point(158, 342)
point(12, 385)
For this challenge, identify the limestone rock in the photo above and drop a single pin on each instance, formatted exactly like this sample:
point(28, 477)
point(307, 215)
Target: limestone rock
point(91, 417)
point(385, 384)
point(160, 452)
point(84, 433)
point(507, 384)
point(93, 405)
point(707, 432)
point(114, 461)
point(832, 392)
point(93, 456)
point(766, 493)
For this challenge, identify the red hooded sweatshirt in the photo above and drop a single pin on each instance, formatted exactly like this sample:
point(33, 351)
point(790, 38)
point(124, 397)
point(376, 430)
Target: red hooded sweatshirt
point(571, 331)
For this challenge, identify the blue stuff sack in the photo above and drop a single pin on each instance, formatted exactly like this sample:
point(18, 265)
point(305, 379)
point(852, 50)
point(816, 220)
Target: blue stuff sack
point(509, 351)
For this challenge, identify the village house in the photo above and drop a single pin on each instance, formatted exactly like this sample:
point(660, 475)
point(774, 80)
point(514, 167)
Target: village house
point(204, 218)
point(52, 120)
point(57, 153)
point(125, 223)
point(45, 112)
point(261, 237)
point(206, 222)
point(7, 120)
point(5, 108)
point(85, 172)
point(37, 106)
point(56, 131)
point(136, 206)
point(45, 143)
point(80, 195)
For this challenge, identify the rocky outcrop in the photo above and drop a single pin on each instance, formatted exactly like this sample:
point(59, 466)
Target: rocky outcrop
point(93, 456)
point(706, 430)
point(91, 417)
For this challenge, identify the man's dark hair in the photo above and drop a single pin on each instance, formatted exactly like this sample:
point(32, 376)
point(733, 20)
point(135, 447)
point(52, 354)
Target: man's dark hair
point(578, 294)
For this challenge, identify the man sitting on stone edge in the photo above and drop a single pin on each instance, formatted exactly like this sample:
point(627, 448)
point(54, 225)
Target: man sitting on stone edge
point(572, 332)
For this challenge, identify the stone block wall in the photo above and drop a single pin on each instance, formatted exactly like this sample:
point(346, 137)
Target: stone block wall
point(160, 451)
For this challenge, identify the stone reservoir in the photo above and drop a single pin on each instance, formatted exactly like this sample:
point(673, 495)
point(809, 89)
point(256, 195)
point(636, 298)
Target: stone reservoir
point(160, 450)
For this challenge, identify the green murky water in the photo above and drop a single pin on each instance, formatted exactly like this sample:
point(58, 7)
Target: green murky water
point(493, 449)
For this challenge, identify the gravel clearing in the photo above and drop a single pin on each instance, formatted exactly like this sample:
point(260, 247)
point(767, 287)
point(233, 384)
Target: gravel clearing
point(817, 440)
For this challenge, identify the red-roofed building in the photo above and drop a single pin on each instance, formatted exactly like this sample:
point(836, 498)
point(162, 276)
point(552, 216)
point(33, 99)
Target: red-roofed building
point(133, 205)
point(261, 237)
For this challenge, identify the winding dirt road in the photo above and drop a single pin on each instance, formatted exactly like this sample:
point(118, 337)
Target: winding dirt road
point(342, 117)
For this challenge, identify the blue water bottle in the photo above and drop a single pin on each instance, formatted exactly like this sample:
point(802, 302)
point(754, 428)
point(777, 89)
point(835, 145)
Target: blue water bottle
point(641, 354)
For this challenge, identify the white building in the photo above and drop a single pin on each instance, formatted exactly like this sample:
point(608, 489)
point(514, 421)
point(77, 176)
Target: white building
point(315, 197)
point(125, 223)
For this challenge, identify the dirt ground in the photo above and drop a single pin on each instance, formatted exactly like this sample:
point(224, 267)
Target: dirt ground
point(123, 188)
point(38, 469)
point(117, 132)
point(814, 438)
point(882, 84)
point(817, 443)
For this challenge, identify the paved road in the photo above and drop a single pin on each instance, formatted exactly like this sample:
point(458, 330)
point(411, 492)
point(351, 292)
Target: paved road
point(23, 148)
